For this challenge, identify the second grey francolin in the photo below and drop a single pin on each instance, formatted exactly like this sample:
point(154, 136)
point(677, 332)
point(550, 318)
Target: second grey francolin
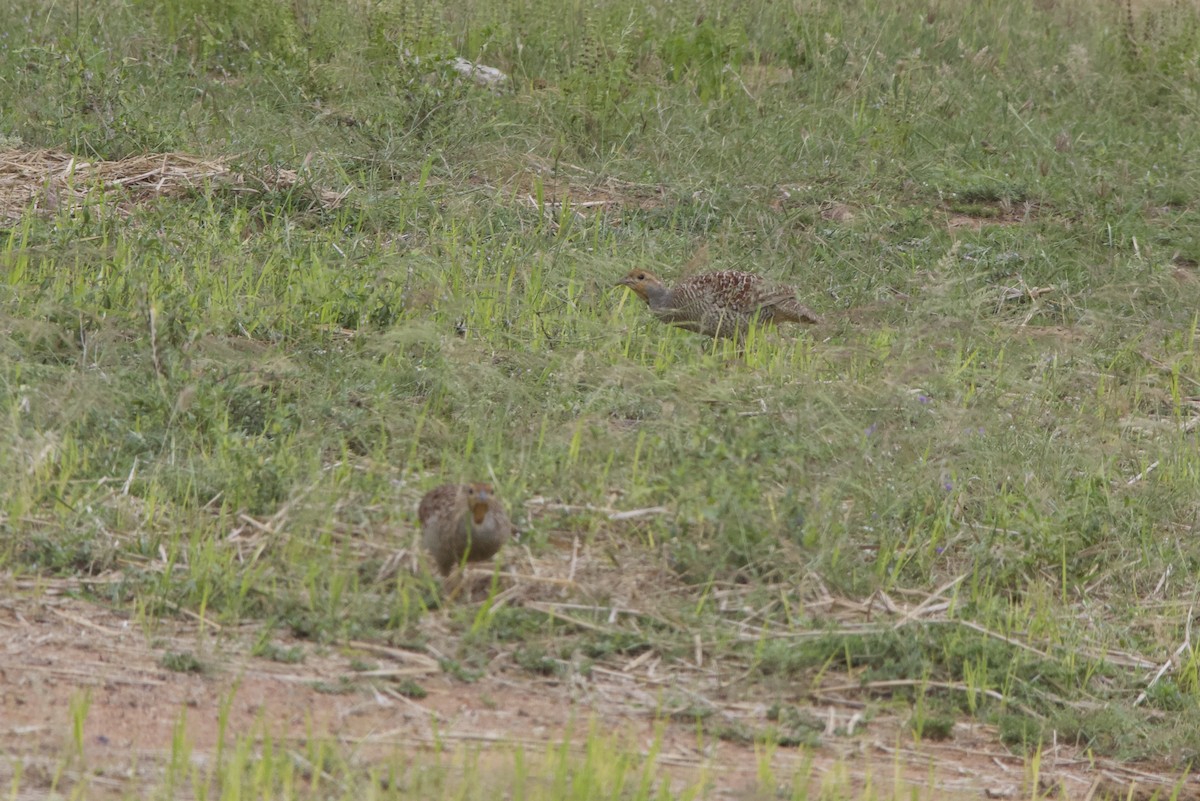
point(719, 304)
point(462, 523)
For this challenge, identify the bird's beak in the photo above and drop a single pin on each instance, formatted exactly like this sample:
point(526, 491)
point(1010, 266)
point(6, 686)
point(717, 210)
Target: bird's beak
point(624, 282)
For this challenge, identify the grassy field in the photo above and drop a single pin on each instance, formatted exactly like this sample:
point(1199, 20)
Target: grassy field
point(971, 493)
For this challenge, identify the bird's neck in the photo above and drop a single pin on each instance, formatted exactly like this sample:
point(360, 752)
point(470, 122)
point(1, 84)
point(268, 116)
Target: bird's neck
point(657, 295)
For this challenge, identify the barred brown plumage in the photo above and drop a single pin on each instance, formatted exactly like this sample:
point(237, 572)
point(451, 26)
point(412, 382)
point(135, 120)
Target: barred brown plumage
point(719, 304)
point(462, 522)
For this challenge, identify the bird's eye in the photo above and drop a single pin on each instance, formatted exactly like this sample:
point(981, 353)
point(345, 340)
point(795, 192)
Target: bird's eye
point(641, 276)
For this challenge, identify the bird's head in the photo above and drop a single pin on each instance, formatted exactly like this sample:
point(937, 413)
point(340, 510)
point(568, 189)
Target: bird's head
point(643, 282)
point(478, 498)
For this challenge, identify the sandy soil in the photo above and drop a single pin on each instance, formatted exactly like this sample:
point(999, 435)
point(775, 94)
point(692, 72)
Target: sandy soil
point(55, 651)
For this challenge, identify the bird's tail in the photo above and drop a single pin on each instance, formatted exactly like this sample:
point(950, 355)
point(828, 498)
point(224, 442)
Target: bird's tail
point(788, 309)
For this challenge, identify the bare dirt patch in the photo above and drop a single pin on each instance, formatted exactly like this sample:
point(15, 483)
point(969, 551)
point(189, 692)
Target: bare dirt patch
point(53, 650)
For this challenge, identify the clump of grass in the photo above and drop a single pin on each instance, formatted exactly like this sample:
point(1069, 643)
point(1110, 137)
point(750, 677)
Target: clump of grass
point(535, 660)
point(182, 662)
point(410, 689)
point(277, 653)
point(794, 726)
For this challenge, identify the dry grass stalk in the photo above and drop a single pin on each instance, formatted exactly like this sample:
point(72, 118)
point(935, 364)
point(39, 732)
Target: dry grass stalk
point(50, 181)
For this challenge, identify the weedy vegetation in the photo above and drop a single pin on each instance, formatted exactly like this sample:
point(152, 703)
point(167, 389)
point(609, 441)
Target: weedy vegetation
point(971, 493)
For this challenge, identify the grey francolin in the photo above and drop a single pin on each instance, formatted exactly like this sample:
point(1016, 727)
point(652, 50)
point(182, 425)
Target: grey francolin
point(719, 304)
point(462, 522)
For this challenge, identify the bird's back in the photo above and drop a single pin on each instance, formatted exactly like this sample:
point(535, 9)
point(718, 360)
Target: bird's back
point(723, 303)
point(438, 500)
